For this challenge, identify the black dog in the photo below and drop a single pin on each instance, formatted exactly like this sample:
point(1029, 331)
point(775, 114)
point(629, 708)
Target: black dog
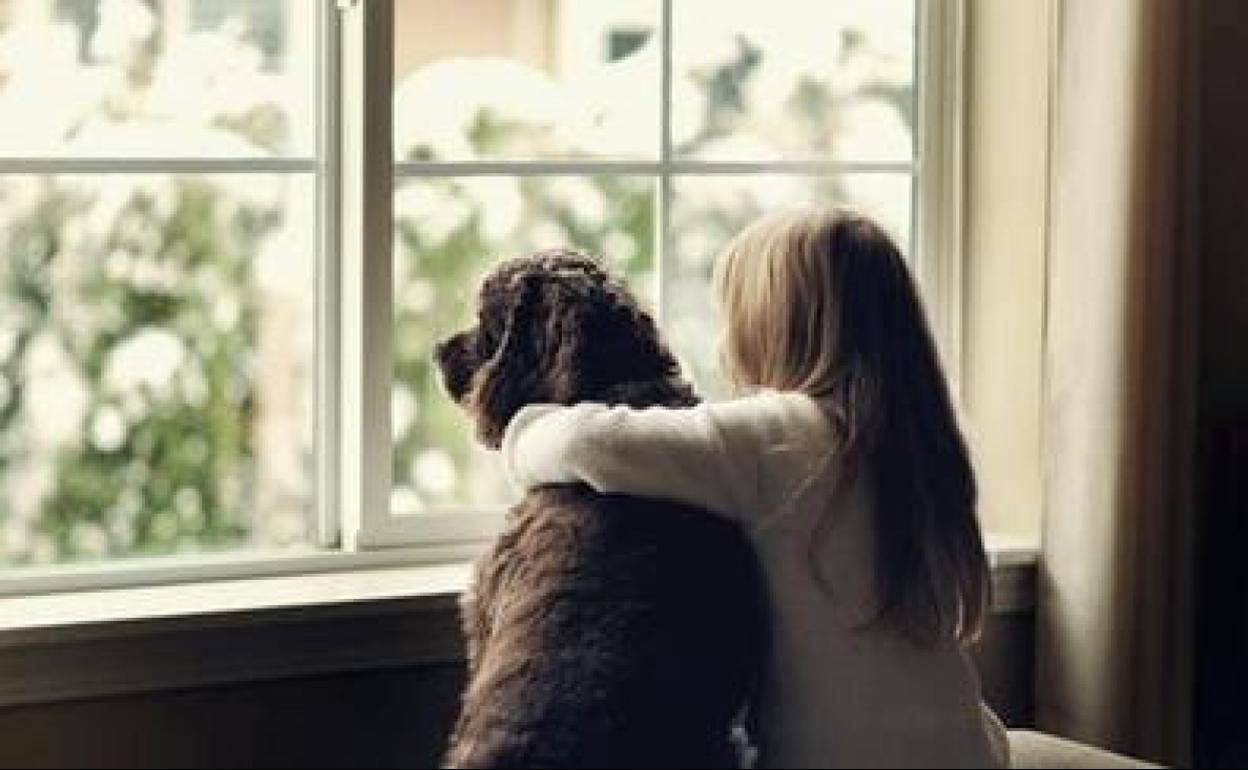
point(603, 630)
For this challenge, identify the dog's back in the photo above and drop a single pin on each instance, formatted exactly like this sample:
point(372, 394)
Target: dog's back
point(609, 631)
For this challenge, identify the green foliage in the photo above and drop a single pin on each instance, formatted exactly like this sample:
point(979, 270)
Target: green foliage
point(180, 473)
point(130, 309)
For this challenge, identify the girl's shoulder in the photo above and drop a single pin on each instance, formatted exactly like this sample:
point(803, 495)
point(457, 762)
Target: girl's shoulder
point(786, 408)
point(773, 401)
point(777, 419)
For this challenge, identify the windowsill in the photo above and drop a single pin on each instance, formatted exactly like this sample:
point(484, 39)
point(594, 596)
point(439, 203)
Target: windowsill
point(1013, 561)
point(346, 579)
point(50, 615)
point(1011, 550)
point(115, 641)
point(124, 641)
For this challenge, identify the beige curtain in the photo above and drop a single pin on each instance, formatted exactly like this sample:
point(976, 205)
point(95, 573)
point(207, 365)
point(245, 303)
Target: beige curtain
point(1115, 610)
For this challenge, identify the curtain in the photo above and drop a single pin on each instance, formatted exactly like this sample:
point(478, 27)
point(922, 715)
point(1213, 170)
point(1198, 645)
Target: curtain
point(1115, 610)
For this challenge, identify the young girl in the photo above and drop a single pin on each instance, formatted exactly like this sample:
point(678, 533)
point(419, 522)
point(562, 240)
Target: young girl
point(844, 462)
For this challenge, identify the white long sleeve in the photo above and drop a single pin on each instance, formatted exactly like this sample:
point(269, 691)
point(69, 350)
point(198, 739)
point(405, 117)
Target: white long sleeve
point(714, 456)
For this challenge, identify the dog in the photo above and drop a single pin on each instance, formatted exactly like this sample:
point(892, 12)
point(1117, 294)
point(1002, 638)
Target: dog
point(602, 630)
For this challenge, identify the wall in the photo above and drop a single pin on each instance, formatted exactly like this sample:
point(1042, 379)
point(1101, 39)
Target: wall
point(1223, 138)
point(385, 718)
point(1222, 671)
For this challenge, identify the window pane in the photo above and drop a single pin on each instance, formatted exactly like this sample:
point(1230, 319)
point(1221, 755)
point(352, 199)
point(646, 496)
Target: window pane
point(157, 78)
point(155, 388)
point(793, 79)
point(448, 234)
point(522, 80)
point(708, 210)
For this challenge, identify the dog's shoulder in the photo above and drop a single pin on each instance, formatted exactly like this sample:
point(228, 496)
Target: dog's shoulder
point(571, 540)
point(572, 525)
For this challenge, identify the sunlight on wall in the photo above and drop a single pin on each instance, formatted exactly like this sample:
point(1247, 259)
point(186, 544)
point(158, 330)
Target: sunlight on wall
point(1007, 166)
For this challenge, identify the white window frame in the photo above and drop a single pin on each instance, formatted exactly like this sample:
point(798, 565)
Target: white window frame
point(355, 174)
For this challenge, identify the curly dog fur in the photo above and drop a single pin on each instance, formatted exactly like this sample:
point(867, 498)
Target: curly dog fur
point(603, 630)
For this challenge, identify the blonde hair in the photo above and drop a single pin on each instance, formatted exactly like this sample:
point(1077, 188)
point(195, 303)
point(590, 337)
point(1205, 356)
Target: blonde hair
point(820, 301)
point(773, 282)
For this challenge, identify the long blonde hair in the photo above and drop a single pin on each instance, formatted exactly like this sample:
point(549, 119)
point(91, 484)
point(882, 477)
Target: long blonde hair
point(821, 301)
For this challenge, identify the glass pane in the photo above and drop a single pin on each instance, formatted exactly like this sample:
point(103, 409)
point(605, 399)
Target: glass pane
point(155, 349)
point(522, 80)
point(157, 78)
point(449, 232)
point(793, 79)
point(708, 210)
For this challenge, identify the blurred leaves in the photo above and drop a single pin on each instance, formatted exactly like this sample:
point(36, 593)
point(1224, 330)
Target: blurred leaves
point(128, 424)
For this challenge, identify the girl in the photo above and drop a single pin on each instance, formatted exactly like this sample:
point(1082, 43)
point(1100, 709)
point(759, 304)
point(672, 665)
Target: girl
point(844, 462)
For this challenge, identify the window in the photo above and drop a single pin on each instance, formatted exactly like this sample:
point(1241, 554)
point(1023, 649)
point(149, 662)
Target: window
point(157, 258)
point(231, 232)
point(647, 132)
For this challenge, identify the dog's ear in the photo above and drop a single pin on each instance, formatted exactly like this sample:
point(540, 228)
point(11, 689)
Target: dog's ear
point(540, 356)
point(630, 347)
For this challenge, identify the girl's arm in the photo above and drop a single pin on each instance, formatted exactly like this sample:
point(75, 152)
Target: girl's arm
point(706, 456)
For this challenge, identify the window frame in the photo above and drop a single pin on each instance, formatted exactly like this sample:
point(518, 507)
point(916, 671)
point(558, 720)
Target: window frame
point(354, 174)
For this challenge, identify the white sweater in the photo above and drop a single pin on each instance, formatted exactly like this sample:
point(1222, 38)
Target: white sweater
point(836, 693)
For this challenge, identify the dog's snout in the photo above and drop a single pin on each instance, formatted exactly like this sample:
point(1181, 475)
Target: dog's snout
point(451, 357)
point(442, 349)
point(451, 349)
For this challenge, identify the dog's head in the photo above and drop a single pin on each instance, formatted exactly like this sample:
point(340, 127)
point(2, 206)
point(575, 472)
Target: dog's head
point(555, 327)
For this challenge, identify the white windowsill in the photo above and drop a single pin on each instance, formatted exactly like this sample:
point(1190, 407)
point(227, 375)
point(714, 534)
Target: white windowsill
point(1011, 550)
point(31, 614)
